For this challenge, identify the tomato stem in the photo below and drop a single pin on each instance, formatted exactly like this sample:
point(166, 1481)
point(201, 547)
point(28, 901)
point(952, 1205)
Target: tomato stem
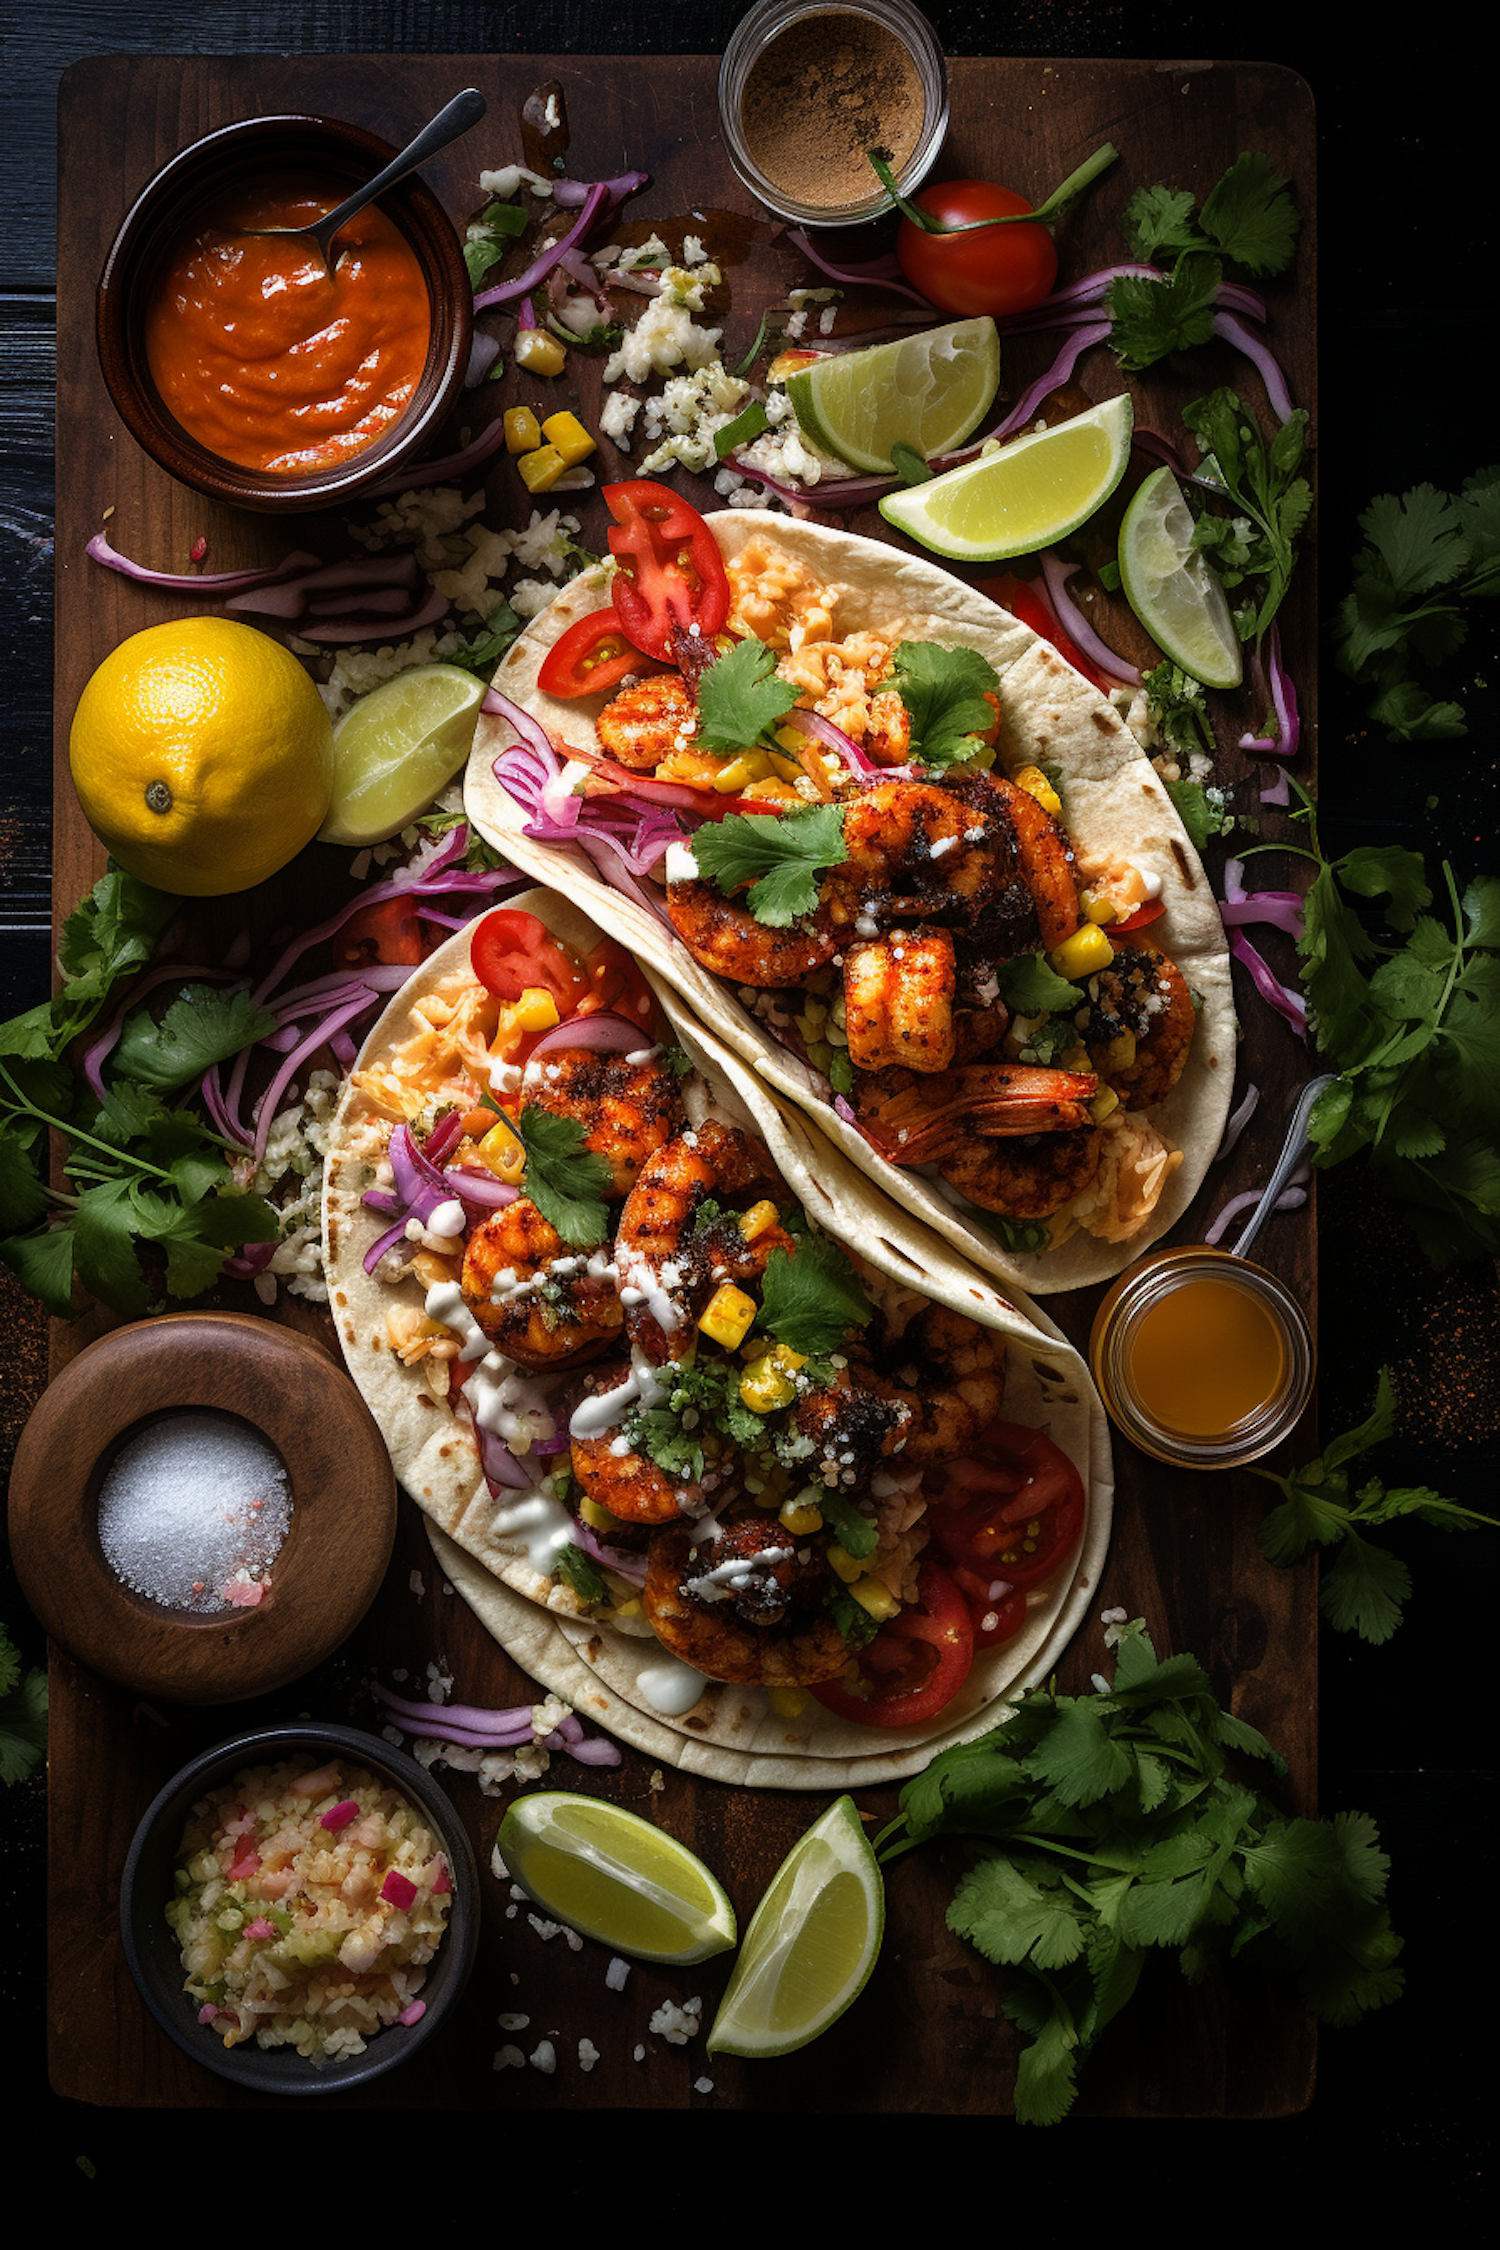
point(1045, 215)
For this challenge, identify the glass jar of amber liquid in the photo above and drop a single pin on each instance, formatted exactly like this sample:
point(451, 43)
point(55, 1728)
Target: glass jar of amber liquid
point(1202, 1358)
point(807, 86)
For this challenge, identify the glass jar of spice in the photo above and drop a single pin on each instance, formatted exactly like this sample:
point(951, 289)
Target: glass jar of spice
point(806, 87)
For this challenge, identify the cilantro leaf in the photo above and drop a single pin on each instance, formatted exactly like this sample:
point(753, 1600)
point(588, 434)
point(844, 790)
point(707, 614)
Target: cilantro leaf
point(108, 935)
point(1202, 812)
point(491, 235)
point(946, 693)
point(581, 1573)
point(740, 698)
point(781, 857)
point(810, 1302)
point(743, 430)
point(200, 1028)
point(853, 1529)
point(1149, 319)
point(1159, 218)
point(23, 1714)
point(1250, 216)
point(1428, 554)
point(1177, 702)
point(565, 1181)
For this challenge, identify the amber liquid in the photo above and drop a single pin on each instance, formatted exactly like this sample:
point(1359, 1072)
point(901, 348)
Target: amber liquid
point(1204, 1357)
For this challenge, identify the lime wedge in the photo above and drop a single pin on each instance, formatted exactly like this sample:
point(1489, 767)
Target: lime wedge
point(928, 391)
point(811, 1944)
point(612, 1876)
point(396, 748)
point(1025, 495)
point(1173, 588)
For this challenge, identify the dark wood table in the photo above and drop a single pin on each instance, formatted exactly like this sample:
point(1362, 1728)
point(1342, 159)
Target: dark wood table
point(1373, 1743)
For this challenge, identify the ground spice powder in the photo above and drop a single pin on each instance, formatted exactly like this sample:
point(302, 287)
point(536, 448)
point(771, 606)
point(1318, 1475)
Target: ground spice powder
point(829, 87)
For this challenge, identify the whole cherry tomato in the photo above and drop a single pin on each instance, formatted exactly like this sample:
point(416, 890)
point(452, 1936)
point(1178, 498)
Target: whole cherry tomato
point(977, 269)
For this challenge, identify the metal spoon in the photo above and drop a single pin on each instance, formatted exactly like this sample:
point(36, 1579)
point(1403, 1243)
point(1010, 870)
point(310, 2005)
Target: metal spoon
point(463, 111)
point(1286, 1163)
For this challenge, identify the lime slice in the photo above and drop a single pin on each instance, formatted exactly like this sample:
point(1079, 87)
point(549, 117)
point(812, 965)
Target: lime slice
point(811, 1945)
point(1025, 495)
point(395, 750)
point(926, 391)
point(615, 1877)
point(1173, 588)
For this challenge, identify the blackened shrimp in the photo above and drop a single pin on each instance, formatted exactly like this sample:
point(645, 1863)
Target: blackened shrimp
point(629, 1105)
point(543, 1303)
point(1138, 1024)
point(852, 1427)
point(912, 851)
point(701, 1213)
point(647, 721)
point(898, 1000)
point(745, 1606)
point(917, 1120)
point(1027, 1179)
point(948, 1373)
point(1035, 849)
point(629, 1484)
point(723, 935)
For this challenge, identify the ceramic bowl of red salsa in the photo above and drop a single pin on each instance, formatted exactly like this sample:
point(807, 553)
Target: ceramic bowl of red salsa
point(238, 362)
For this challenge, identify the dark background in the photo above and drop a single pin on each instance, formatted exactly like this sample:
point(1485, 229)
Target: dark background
point(1407, 336)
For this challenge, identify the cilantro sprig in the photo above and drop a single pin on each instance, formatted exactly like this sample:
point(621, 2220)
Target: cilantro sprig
point(782, 857)
point(811, 1301)
point(1428, 553)
point(1271, 498)
point(1113, 1827)
point(493, 232)
point(1365, 1587)
point(23, 1714)
point(1248, 219)
point(740, 698)
point(107, 937)
point(945, 692)
point(565, 1181)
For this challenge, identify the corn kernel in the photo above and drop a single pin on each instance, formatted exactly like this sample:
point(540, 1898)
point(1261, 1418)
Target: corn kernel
point(1104, 1104)
point(801, 1515)
point(738, 773)
point(1120, 1053)
point(568, 434)
point(1035, 783)
point(875, 1597)
point(523, 432)
point(540, 353)
point(844, 1566)
point(771, 791)
point(788, 1702)
point(784, 767)
point(541, 470)
point(1080, 955)
point(536, 1010)
point(596, 1515)
point(630, 1608)
point(503, 1152)
point(760, 1216)
point(727, 1316)
point(764, 1388)
point(1095, 908)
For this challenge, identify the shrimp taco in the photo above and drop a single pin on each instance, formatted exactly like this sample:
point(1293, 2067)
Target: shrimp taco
point(900, 856)
point(801, 1493)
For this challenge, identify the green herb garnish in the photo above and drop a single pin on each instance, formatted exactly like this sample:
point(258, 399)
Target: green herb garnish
point(1029, 988)
point(1428, 553)
point(109, 935)
point(565, 1181)
point(909, 464)
point(1264, 483)
point(581, 1573)
point(810, 1302)
point(782, 857)
point(1249, 218)
point(742, 430)
point(740, 698)
point(200, 1028)
point(853, 1529)
point(946, 693)
point(23, 1714)
point(496, 228)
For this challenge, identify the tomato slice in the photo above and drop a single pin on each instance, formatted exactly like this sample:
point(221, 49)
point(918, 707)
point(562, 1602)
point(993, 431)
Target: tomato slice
point(1146, 912)
point(994, 1622)
point(617, 983)
point(1015, 595)
point(915, 1665)
point(669, 569)
point(1013, 1509)
point(391, 930)
point(591, 657)
point(512, 953)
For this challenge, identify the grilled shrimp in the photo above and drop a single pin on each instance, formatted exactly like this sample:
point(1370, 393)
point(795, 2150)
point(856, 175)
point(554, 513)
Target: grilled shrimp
point(746, 1606)
point(912, 851)
point(853, 1428)
point(918, 1120)
point(670, 1259)
point(948, 1372)
point(1038, 848)
point(643, 723)
point(541, 1302)
point(1139, 1024)
point(1025, 1179)
point(725, 937)
point(898, 1000)
point(629, 1484)
point(629, 1105)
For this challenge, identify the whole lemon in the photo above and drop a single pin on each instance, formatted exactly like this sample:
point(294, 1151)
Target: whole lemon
point(202, 755)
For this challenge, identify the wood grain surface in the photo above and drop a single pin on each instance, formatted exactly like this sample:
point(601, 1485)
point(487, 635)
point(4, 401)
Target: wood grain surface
point(928, 2036)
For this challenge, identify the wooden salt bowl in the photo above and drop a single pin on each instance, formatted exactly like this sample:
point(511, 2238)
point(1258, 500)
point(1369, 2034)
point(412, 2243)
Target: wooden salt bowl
point(330, 1565)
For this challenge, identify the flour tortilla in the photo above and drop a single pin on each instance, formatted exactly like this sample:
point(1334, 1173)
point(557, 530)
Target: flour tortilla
point(731, 1733)
point(1114, 805)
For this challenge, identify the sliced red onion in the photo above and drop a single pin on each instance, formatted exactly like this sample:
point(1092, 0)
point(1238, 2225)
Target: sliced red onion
point(834, 738)
point(642, 282)
point(106, 1041)
point(213, 1101)
point(1060, 372)
point(471, 1716)
point(568, 194)
point(1279, 791)
point(99, 550)
point(1283, 695)
point(382, 602)
point(506, 292)
point(622, 1560)
point(595, 1751)
point(502, 1471)
point(388, 1241)
point(1286, 1002)
point(483, 353)
point(1261, 357)
point(531, 731)
point(841, 1108)
point(449, 470)
point(285, 600)
point(601, 1032)
point(252, 1258)
point(1283, 910)
point(1160, 448)
point(1237, 1123)
point(342, 631)
point(1291, 1198)
point(838, 494)
point(478, 1190)
point(382, 1200)
point(380, 976)
point(544, 1448)
point(1076, 625)
point(880, 273)
point(316, 1038)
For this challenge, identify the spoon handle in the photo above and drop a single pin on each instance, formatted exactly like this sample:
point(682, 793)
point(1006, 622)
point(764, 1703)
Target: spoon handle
point(464, 111)
point(1291, 1155)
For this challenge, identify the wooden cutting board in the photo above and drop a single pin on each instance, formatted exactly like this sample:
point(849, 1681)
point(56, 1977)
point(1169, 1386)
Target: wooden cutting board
point(928, 2035)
